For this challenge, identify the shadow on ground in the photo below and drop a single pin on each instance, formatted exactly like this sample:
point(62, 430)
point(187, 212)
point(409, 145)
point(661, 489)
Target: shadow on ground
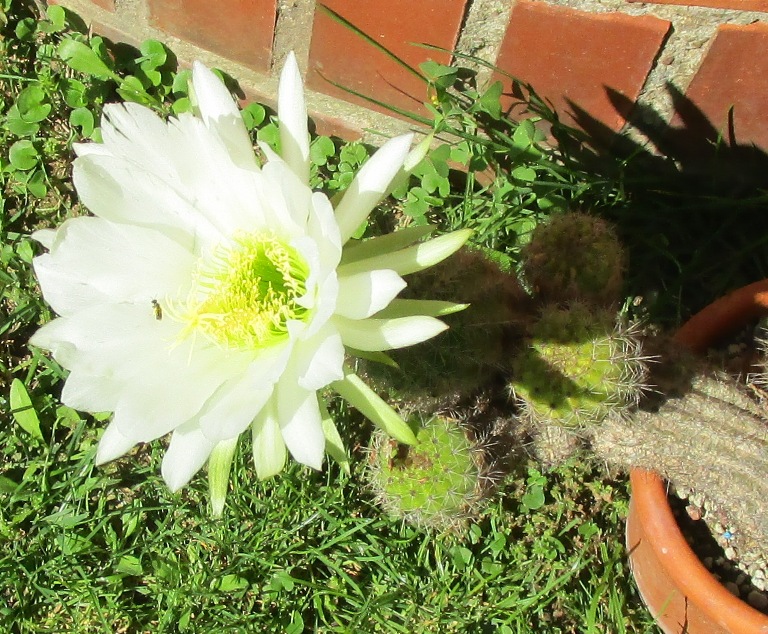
point(694, 213)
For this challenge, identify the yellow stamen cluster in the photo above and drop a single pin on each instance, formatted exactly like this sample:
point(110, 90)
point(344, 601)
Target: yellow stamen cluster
point(246, 293)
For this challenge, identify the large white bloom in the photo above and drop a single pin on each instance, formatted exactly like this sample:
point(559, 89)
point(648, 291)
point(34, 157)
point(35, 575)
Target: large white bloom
point(210, 294)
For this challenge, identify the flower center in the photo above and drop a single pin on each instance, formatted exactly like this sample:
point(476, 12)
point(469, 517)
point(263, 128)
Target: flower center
point(246, 293)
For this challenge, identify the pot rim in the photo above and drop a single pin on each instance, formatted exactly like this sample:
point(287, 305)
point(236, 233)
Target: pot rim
point(705, 328)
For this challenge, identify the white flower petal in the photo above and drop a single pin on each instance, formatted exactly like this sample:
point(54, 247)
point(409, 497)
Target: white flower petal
point(319, 360)
point(292, 115)
point(322, 227)
point(112, 445)
point(117, 190)
point(114, 262)
point(44, 237)
point(371, 184)
point(301, 423)
point(363, 294)
point(269, 453)
point(131, 352)
point(91, 393)
point(186, 454)
point(385, 334)
point(221, 114)
point(286, 197)
point(237, 402)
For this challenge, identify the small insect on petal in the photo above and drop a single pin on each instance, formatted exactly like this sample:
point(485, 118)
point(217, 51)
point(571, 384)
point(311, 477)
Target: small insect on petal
point(157, 310)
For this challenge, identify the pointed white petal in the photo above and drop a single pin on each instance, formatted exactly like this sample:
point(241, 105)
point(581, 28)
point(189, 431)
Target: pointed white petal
point(412, 259)
point(358, 394)
point(301, 423)
point(371, 184)
point(233, 410)
point(269, 453)
point(323, 228)
point(287, 198)
point(219, 466)
point(415, 156)
point(386, 334)
point(186, 455)
point(319, 360)
point(112, 445)
point(90, 393)
point(44, 237)
point(220, 113)
point(119, 191)
point(292, 114)
point(356, 250)
point(363, 294)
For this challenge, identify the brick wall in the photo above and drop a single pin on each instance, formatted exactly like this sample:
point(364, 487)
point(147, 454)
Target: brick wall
point(696, 64)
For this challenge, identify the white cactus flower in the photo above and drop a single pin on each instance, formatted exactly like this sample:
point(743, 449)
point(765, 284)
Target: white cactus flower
point(210, 294)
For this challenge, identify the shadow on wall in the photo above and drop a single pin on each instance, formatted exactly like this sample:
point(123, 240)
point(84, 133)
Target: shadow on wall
point(696, 210)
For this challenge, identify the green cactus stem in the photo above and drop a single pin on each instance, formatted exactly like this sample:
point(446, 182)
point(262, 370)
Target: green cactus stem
point(438, 483)
point(713, 440)
point(581, 364)
point(575, 256)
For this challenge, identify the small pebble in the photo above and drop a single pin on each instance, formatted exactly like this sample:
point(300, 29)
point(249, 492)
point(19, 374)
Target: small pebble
point(741, 579)
point(757, 600)
point(759, 584)
point(694, 512)
point(732, 588)
point(759, 573)
point(708, 561)
point(730, 552)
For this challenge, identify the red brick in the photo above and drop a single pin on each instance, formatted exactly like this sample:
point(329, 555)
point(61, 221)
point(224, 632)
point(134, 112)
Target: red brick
point(109, 5)
point(744, 5)
point(734, 74)
point(572, 56)
point(241, 30)
point(345, 58)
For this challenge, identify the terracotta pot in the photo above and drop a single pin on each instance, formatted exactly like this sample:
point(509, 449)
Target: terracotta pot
point(679, 591)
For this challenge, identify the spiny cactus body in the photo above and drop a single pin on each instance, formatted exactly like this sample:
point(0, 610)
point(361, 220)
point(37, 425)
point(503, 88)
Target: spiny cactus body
point(713, 440)
point(580, 365)
point(437, 483)
point(575, 256)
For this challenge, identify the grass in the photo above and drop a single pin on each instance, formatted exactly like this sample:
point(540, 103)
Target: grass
point(86, 549)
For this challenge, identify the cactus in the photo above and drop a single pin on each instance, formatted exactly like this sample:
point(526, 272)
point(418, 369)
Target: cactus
point(574, 256)
point(580, 365)
point(713, 439)
point(438, 483)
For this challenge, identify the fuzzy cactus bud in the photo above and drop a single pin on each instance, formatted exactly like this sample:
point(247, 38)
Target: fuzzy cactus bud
point(575, 256)
point(441, 372)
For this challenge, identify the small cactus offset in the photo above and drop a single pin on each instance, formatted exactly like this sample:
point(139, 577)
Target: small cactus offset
point(575, 256)
point(438, 483)
point(581, 364)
